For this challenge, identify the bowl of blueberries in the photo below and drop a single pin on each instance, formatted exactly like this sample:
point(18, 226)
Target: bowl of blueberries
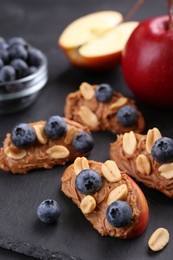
point(23, 73)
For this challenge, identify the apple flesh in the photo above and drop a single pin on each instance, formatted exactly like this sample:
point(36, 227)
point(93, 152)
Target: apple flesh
point(96, 41)
point(147, 62)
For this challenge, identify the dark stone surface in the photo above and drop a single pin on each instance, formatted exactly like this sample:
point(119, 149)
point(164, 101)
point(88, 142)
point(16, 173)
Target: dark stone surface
point(40, 23)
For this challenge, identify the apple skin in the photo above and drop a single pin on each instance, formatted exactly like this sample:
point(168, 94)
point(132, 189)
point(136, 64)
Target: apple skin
point(147, 62)
point(142, 221)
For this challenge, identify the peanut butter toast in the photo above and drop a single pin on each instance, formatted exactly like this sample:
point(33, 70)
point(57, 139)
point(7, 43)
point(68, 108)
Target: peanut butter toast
point(44, 144)
point(101, 108)
point(148, 158)
point(107, 197)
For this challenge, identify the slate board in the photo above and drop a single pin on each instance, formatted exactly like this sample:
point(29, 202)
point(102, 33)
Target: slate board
point(40, 23)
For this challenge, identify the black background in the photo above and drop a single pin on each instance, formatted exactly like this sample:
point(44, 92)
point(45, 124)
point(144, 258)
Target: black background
point(40, 23)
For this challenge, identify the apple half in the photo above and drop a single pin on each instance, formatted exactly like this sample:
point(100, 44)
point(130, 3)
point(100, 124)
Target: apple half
point(96, 41)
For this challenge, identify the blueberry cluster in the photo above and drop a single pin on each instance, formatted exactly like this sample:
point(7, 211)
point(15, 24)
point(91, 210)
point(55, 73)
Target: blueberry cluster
point(18, 59)
point(23, 135)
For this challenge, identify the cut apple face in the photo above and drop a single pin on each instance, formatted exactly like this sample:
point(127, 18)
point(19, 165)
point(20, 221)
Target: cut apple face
point(96, 40)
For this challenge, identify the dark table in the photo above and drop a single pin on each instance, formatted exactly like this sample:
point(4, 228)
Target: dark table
point(40, 23)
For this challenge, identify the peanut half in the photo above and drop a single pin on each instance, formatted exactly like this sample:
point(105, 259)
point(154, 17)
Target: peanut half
point(40, 134)
point(159, 239)
point(71, 133)
point(57, 152)
point(119, 193)
point(166, 170)
point(143, 164)
point(152, 136)
point(119, 103)
point(15, 153)
point(88, 204)
point(86, 90)
point(110, 171)
point(80, 164)
point(88, 117)
point(129, 143)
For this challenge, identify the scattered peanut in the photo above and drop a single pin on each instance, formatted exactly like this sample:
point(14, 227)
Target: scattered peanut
point(159, 239)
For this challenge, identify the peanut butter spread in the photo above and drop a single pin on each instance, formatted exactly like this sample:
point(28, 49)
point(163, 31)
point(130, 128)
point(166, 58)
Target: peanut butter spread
point(98, 216)
point(97, 115)
point(141, 165)
point(45, 153)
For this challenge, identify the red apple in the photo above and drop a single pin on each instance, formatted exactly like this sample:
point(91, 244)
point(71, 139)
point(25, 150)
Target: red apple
point(147, 62)
point(96, 41)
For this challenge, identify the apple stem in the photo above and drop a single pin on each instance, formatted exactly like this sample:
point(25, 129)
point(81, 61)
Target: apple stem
point(170, 13)
point(134, 9)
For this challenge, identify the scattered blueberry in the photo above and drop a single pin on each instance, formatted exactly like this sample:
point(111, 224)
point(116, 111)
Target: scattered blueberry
point(18, 52)
point(55, 127)
point(7, 73)
point(48, 211)
point(34, 57)
point(83, 142)
point(31, 70)
point(162, 150)
point(119, 213)
point(1, 64)
point(23, 135)
point(17, 41)
point(20, 67)
point(103, 93)
point(88, 182)
point(127, 116)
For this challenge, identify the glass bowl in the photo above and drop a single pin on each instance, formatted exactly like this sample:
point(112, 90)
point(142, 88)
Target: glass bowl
point(19, 94)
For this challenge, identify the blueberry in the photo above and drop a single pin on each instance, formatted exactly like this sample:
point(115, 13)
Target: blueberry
point(7, 74)
point(17, 41)
point(162, 150)
point(127, 116)
point(20, 67)
point(31, 70)
point(119, 213)
point(103, 93)
point(18, 52)
point(83, 142)
point(55, 127)
point(48, 211)
point(4, 55)
point(23, 135)
point(1, 64)
point(35, 57)
point(88, 182)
